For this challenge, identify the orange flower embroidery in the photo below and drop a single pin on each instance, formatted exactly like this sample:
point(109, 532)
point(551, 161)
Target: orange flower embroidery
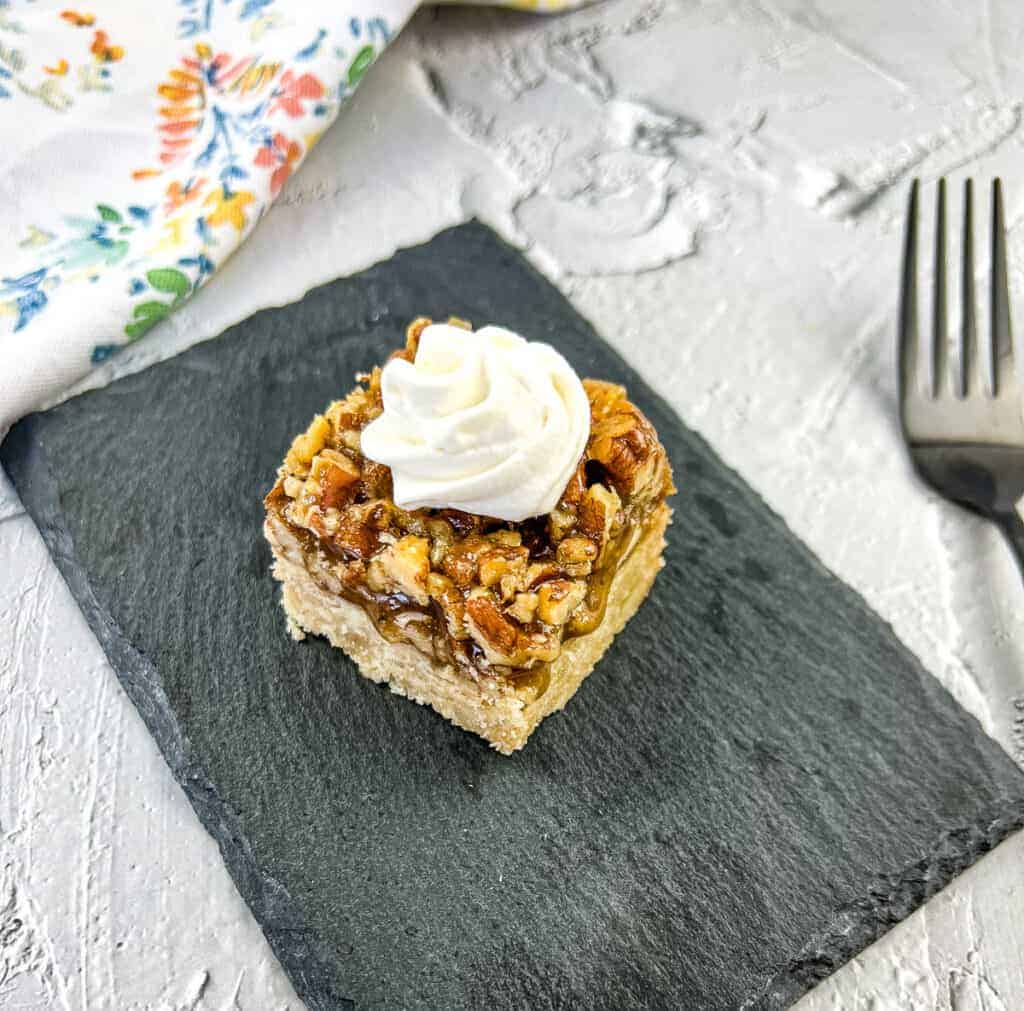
point(103, 51)
point(182, 113)
point(60, 70)
point(254, 78)
point(78, 20)
point(293, 90)
point(178, 195)
point(281, 152)
point(191, 87)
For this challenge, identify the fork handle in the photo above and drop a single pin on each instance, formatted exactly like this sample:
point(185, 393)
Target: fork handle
point(1012, 527)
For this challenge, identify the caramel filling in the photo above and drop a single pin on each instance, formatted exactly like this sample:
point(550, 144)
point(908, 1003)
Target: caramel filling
point(400, 619)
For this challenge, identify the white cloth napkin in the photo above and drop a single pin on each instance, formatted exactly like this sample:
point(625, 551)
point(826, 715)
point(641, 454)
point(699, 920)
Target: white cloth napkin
point(142, 143)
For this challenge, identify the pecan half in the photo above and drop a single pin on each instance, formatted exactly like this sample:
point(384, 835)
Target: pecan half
point(494, 633)
point(622, 440)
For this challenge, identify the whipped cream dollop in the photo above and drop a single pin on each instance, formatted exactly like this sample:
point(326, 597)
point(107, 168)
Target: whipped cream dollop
point(483, 421)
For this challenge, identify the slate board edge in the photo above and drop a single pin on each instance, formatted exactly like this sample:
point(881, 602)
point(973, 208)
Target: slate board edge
point(273, 908)
point(859, 924)
point(855, 927)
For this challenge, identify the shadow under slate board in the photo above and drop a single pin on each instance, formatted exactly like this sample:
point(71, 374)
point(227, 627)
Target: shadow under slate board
point(757, 781)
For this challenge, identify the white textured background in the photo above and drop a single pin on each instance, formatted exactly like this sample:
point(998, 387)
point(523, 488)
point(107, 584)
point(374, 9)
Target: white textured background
point(718, 186)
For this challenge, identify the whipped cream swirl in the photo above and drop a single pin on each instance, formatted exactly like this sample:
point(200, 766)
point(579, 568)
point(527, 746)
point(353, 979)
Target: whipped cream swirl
point(485, 422)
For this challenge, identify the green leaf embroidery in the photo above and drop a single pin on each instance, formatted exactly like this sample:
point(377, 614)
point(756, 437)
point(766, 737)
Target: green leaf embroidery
point(108, 213)
point(170, 280)
point(360, 64)
point(136, 330)
point(146, 315)
point(151, 310)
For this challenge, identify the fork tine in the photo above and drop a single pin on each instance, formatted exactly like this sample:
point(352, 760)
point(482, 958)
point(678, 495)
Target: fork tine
point(970, 363)
point(940, 330)
point(907, 336)
point(1002, 336)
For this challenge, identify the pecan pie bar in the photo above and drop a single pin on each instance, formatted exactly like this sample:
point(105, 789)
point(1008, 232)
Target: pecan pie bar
point(494, 623)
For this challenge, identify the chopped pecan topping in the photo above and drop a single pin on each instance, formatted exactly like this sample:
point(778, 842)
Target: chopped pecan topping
point(462, 523)
point(575, 488)
point(576, 555)
point(376, 480)
point(600, 515)
point(541, 572)
point(560, 522)
point(461, 561)
point(557, 600)
point(402, 567)
point(442, 537)
point(306, 446)
point(451, 602)
point(506, 567)
point(523, 608)
point(495, 596)
point(495, 634)
point(354, 537)
point(332, 479)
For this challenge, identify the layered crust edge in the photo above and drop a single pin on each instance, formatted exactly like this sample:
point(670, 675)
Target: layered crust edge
point(495, 709)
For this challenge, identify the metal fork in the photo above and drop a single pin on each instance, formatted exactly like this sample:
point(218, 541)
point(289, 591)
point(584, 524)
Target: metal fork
point(965, 432)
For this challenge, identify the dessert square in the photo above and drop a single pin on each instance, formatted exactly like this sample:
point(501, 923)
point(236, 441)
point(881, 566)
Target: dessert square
point(518, 527)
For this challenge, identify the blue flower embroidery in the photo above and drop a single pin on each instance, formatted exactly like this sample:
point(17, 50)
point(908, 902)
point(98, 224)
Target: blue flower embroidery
point(29, 298)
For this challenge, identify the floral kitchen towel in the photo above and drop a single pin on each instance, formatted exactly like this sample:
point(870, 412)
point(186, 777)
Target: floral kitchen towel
point(142, 142)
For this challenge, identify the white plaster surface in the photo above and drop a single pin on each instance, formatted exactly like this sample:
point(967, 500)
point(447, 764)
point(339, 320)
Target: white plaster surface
point(719, 187)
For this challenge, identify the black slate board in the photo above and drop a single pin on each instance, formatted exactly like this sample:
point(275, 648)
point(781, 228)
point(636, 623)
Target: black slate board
point(757, 781)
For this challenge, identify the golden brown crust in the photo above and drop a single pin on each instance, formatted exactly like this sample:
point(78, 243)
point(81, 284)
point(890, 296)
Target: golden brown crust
point(495, 599)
